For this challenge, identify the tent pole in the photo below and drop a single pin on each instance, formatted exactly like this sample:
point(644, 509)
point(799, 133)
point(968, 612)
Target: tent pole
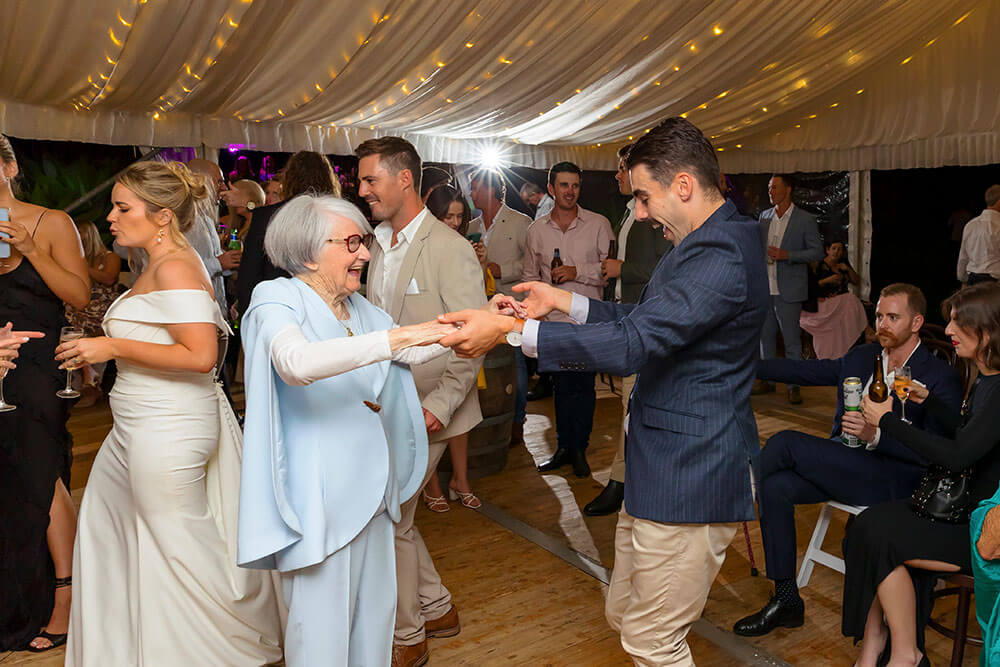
point(108, 183)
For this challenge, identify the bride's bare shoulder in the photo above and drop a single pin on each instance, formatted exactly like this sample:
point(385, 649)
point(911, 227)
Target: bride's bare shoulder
point(180, 272)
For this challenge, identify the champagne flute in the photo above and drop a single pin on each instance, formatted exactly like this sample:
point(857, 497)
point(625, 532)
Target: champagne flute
point(68, 334)
point(901, 384)
point(4, 405)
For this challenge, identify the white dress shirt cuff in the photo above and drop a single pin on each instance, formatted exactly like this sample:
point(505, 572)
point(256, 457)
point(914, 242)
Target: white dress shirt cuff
point(579, 309)
point(529, 339)
point(874, 443)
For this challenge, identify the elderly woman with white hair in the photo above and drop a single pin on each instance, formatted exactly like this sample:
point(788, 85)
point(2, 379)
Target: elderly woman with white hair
point(335, 437)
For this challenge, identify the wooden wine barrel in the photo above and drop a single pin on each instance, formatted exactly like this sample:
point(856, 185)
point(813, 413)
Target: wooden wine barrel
point(488, 441)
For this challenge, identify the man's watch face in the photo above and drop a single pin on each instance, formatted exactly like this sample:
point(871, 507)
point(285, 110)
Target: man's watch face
point(251, 206)
point(513, 338)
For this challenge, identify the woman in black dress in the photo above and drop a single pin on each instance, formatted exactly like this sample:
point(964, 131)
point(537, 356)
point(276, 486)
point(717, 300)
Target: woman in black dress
point(45, 268)
point(891, 551)
point(834, 273)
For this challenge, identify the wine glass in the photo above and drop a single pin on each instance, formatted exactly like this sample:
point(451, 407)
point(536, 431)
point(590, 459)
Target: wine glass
point(901, 384)
point(68, 334)
point(4, 405)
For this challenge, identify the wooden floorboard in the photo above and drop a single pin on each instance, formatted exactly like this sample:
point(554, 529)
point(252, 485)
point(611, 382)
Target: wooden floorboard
point(521, 605)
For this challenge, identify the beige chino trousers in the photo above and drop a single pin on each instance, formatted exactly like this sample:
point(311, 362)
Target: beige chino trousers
point(421, 596)
point(662, 576)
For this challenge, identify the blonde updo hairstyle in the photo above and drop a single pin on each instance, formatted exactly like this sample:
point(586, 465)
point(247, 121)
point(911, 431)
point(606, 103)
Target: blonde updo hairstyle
point(7, 156)
point(167, 185)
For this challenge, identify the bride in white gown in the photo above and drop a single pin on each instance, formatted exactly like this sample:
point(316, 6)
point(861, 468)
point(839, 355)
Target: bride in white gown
point(154, 567)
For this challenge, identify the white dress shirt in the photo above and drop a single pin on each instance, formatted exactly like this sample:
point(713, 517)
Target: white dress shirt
point(394, 254)
point(622, 240)
point(505, 242)
point(980, 251)
point(775, 235)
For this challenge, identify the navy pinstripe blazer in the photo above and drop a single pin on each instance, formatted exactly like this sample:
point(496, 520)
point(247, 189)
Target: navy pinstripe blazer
point(692, 339)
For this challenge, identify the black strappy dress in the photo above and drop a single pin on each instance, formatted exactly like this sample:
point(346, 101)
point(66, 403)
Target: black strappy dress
point(35, 451)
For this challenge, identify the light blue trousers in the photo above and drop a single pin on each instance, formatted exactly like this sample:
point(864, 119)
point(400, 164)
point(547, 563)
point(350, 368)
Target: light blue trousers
point(341, 612)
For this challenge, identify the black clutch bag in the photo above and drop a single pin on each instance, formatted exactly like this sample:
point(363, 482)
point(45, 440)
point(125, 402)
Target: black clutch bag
point(943, 495)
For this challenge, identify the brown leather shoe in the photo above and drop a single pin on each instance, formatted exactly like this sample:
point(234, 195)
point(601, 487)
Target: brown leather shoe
point(794, 395)
point(446, 626)
point(410, 656)
point(761, 387)
point(516, 434)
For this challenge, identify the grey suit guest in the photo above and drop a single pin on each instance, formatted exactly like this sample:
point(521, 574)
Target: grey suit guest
point(791, 240)
point(420, 268)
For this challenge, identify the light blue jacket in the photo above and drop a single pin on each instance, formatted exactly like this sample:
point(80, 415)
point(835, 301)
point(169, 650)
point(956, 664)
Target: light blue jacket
point(804, 245)
point(318, 463)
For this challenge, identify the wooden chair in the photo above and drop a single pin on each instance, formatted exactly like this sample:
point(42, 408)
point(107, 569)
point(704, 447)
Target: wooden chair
point(963, 586)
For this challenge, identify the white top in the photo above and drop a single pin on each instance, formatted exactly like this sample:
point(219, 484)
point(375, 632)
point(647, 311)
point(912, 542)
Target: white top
point(300, 362)
point(545, 206)
point(505, 242)
point(622, 240)
point(980, 251)
point(394, 254)
point(775, 235)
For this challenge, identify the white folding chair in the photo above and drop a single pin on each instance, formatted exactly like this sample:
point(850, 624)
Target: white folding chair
point(814, 552)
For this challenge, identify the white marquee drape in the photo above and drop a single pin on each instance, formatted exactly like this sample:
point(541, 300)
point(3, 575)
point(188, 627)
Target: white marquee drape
point(774, 82)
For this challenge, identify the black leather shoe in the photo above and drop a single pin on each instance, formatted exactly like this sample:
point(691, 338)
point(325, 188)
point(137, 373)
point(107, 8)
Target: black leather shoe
point(580, 466)
point(558, 460)
point(761, 387)
point(542, 389)
point(608, 501)
point(794, 395)
point(775, 614)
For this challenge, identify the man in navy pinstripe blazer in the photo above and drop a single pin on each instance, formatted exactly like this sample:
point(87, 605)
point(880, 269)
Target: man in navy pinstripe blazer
point(691, 433)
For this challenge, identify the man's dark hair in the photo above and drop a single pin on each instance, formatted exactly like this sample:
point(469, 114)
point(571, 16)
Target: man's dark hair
point(623, 151)
point(308, 171)
point(395, 153)
point(490, 178)
point(673, 146)
point(432, 177)
point(787, 179)
point(563, 168)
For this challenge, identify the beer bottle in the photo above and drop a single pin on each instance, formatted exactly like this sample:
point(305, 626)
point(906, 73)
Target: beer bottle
point(609, 287)
point(234, 242)
point(879, 390)
point(556, 262)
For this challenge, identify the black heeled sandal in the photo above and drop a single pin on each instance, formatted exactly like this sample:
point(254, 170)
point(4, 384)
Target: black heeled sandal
point(55, 641)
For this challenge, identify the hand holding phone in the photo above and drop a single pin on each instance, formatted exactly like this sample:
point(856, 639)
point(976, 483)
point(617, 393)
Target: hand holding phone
point(4, 246)
point(475, 237)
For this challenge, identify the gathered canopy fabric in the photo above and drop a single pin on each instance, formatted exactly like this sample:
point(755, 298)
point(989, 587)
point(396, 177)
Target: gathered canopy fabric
point(778, 84)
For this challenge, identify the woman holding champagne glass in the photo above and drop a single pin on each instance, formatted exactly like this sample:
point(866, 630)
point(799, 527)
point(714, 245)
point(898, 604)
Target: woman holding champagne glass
point(41, 268)
point(155, 559)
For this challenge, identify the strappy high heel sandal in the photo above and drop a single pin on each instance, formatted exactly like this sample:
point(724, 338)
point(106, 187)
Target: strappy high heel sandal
point(468, 499)
point(437, 504)
point(55, 641)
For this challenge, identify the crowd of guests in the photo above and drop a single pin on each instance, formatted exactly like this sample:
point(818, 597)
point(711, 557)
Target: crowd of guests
point(337, 317)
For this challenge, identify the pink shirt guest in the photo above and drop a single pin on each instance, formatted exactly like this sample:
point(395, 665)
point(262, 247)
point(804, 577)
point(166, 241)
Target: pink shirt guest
point(582, 245)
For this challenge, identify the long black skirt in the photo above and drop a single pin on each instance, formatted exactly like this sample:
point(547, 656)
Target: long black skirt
point(882, 538)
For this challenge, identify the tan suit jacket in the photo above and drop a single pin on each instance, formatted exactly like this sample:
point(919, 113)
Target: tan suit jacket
point(448, 278)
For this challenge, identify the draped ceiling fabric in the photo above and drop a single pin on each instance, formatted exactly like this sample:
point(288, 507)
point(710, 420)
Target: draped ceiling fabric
point(777, 84)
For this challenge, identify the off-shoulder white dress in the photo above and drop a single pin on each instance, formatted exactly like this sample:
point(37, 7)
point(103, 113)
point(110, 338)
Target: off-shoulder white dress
point(155, 580)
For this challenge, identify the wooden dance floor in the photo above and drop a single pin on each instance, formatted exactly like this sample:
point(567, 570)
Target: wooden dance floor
point(525, 572)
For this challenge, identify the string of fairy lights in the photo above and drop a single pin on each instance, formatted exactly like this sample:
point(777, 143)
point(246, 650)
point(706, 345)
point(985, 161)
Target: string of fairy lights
point(422, 82)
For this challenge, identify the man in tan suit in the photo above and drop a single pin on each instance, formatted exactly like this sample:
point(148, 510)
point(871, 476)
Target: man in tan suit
point(419, 269)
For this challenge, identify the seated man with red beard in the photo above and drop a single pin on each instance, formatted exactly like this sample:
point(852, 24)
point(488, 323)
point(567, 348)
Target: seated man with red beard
point(857, 464)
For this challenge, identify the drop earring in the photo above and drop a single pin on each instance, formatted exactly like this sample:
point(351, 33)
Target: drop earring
point(159, 236)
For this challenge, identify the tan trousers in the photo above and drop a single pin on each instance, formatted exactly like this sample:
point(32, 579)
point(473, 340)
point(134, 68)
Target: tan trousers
point(420, 594)
point(618, 465)
point(662, 576)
